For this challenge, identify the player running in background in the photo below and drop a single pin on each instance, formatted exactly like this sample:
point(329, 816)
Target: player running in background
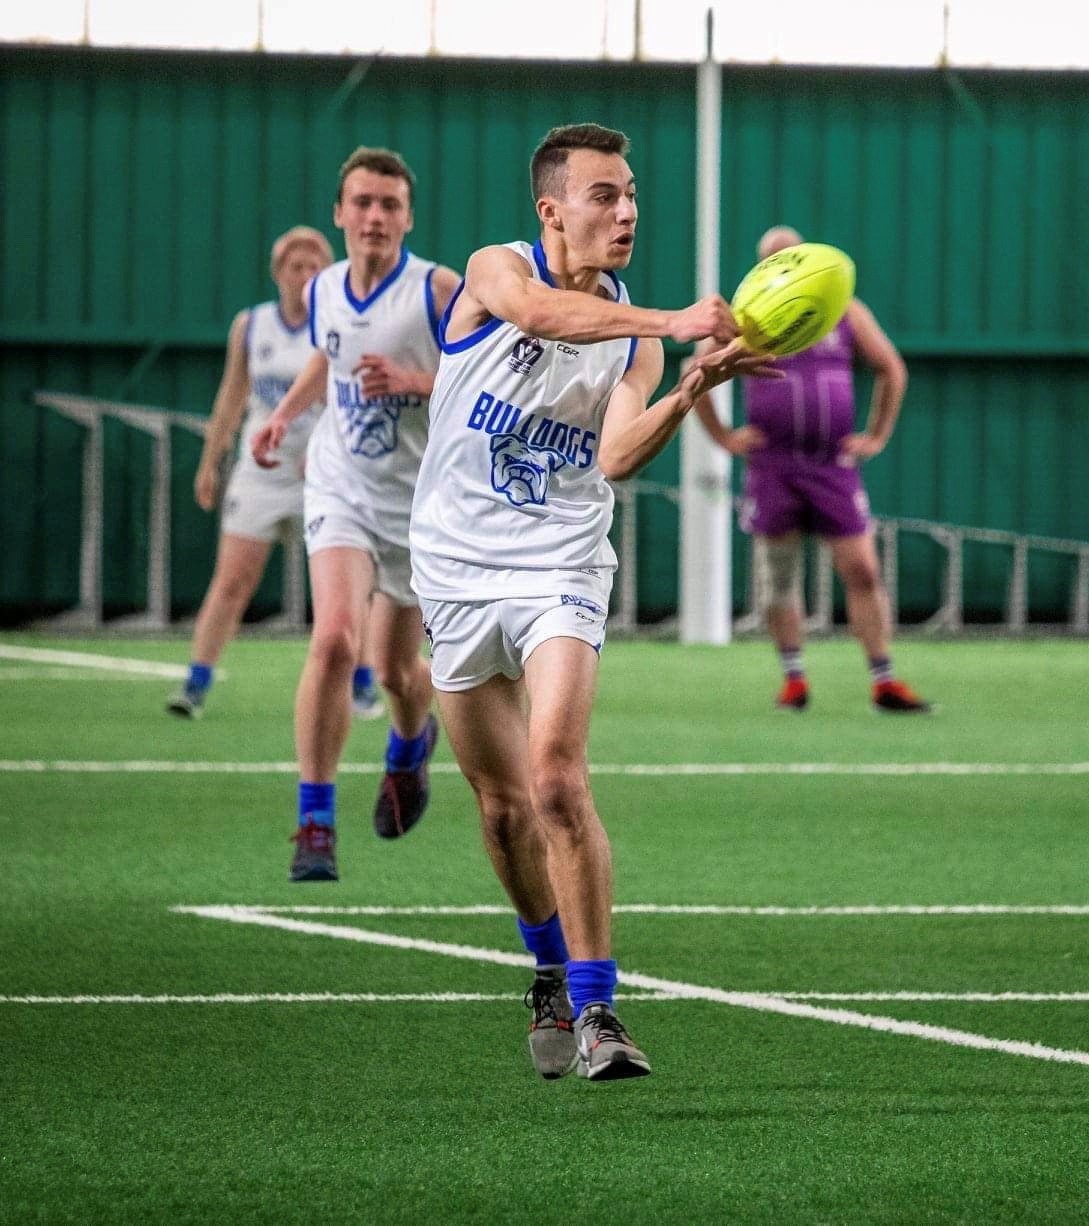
point(374, 331)
point(542, 396)
point(267, 347)
point(802, 456)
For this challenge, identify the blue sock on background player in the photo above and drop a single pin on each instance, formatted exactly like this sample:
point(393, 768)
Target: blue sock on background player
point(545, 941)
point(362, 680)
point(317, 803)
point(591, 983)
point(199, 680)
point(405, 754)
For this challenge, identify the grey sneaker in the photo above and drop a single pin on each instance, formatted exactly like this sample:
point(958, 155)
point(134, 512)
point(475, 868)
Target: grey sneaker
point(368, 704)
point(315, 853)
point(188, 703)
point(605, 1049)
point(551, 1028)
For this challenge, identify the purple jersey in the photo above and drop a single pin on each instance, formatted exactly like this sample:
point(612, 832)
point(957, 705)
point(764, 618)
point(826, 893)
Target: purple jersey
point(808, 412)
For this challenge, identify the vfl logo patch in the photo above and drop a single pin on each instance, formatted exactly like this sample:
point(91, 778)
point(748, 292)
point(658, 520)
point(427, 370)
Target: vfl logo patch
point(525, 354)
point(332, 343)
point(264, 353)
point(521, 471)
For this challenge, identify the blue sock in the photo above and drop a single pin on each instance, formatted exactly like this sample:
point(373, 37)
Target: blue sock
point(545, 941)
point(318, 803)
point(362, 679)
point(405, 755)
point(200, 677)
point(591, 983)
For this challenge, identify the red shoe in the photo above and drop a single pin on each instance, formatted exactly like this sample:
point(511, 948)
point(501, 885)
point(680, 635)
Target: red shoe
point(794, 696)
point(899, 697)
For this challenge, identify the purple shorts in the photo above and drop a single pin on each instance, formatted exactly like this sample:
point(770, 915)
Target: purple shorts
point(794, 494)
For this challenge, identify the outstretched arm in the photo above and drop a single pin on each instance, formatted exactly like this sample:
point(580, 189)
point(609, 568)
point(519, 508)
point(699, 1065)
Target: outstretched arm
point(227, 412)
point(499, 285)
point(632, 434)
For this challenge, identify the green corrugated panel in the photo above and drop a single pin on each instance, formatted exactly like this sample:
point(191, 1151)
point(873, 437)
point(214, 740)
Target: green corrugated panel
point(142, 193)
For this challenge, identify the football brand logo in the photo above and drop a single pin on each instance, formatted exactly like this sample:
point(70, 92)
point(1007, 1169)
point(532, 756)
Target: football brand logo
point(525, 354)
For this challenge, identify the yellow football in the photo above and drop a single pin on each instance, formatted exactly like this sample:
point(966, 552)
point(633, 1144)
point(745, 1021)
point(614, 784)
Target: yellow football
point(794, 297)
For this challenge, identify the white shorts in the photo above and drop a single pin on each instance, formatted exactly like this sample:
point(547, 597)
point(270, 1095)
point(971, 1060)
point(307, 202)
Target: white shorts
point(330, 521)
point(258, 507)
point(473, 641)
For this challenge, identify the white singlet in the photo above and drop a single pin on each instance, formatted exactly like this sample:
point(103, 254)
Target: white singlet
point(510, 501)
point(365, 452)
point(258, 501)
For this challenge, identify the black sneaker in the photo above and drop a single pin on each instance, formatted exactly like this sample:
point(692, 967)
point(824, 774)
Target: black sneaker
point(605, 1049)
point(551, 1028)
point(315, 852)
point(403, 795)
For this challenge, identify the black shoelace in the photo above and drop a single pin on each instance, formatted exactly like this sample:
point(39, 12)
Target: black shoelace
point(541, 998)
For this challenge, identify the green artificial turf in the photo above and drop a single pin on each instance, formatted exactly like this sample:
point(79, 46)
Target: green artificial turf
point(429, 1111)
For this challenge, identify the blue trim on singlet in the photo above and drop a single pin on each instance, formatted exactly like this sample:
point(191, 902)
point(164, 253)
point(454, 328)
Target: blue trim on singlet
point(616, 282)
point(312, 320)
point(249, 330)
point(632, 345)
point(359, 306)
point(286, 326)
point(542, 264)
point(429, 300)
point(466, 342)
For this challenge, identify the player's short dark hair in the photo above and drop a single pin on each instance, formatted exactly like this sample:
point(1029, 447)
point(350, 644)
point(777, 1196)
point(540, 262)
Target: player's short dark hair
point(548, 169)
point(382, 162)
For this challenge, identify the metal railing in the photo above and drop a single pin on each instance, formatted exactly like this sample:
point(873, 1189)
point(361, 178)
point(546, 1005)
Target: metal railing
point(949, 617)
point(87, 614)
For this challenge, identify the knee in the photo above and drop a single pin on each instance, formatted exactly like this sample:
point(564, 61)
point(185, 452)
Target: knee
point(235, 590)
point(335, 645)
point(561, 793)
point(399, 677)
point(860, 577)
point(779, 567)
point(506, 815)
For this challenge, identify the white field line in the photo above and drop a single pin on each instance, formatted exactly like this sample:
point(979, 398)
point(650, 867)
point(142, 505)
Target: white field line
point(648, 908)
point(297, 998)
point(57, 673)
point(647, 983)
point(893, 769)
point(86, 659)
point(452, 998)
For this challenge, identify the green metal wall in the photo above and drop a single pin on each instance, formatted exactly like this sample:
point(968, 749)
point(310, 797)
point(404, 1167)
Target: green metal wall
point(141, 193)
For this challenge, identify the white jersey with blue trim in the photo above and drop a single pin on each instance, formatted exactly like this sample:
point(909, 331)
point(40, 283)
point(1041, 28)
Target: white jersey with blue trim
point(367, 449)
point(510, 491)
point(275, 354)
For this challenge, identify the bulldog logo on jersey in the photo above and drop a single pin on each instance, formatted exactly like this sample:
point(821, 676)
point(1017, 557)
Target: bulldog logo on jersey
point(374, 433)
point(521, 471)
point(525, 354)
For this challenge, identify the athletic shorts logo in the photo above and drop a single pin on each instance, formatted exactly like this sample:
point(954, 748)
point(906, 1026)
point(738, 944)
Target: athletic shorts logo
point(521, 471)
point(525, 354)
point(314, 526)
point(332, 343)
point(580, 602)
